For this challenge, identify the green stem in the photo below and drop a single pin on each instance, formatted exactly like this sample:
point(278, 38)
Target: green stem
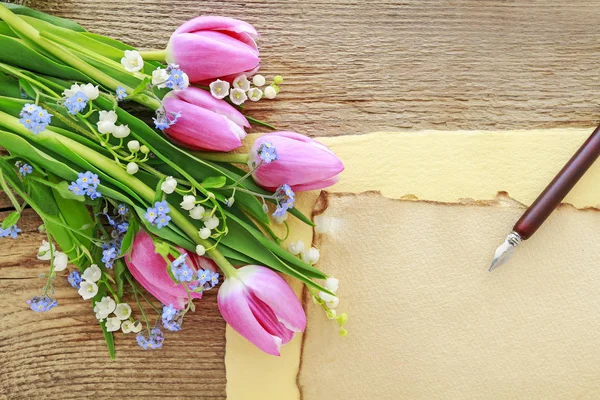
point(29, 33)
point(153, 55)
point(48, 138)
point(234, 158)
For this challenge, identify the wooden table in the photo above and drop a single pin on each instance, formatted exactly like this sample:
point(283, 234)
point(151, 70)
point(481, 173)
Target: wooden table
point(350, 67)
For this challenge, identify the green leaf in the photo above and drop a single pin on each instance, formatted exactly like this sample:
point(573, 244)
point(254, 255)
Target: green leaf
point(27, 88)
point(141, 87)
point(9, 86)
point(119, 279)
point(162, 248)
point(129, 236)
point(108, 336)
point(158, 192)
point(276, 249)
point(16, 53)
point(214, 182)
point(64, 23)
point(11, 220)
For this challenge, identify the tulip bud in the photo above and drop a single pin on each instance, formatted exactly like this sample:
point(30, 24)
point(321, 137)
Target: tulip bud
point(206, 123)
point(151, 271)
point(262, 307)
point(302, 163)
point(210, 47)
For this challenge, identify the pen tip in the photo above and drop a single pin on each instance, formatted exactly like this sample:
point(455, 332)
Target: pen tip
point(505, 250)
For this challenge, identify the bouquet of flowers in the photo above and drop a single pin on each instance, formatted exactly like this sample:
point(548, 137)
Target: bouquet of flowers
point(167, 208)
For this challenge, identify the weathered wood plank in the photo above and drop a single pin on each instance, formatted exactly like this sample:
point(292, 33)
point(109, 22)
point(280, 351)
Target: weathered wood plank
point(355, 66)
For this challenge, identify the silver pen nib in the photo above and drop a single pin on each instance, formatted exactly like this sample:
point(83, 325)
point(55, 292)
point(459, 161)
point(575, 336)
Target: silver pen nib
point(505, 250)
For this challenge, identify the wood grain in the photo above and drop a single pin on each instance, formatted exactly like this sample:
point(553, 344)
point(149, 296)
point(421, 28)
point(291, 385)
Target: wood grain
point(350, 67)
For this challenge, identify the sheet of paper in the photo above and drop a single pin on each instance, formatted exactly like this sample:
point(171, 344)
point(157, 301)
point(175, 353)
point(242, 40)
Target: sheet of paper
point(427, 321)
point(432, 165)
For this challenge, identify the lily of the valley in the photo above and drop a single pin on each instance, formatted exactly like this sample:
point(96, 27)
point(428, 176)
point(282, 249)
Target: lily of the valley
point(262, 307)
point(132, 61)
point(169, 185)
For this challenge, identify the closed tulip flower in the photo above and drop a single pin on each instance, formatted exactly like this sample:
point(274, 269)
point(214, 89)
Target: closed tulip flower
point(205, 123)
point(150, 270)
point(211, 47)
point(261, 307)
point(293, 159)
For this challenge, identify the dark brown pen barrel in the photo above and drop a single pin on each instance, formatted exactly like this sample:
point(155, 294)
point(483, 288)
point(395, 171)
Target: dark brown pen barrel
point(562, 184)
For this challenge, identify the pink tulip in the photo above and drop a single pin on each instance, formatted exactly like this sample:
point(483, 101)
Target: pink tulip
point(206, 48)
point(261, 307)
point(302, 162)
point(206, 123)
point(150, 270)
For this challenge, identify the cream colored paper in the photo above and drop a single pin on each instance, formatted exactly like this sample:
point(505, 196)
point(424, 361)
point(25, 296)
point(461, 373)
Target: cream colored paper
point(432, 165)
point(429, 322)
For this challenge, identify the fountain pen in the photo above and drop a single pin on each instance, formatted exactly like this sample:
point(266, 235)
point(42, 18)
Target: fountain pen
point(550, 198)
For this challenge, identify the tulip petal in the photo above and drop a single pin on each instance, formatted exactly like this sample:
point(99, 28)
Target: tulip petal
point(209, 54)
point(204, 99)
point(202, 129)
point(272, 290)
point(303, 163)
point(235, 27)
point(153, 268)
point(233, 304)
point(163, 297)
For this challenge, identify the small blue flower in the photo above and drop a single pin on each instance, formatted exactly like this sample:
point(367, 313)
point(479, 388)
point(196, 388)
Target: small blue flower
point(169, 312)
point(108, 255)
point(76, 103)
point(183, 273)
point(172, 326)
point(159, 123)
point(122, 209)
point(162, 207)
point(86, 184)
point(85, 179)
point(171, 318)
point(34, 118)
point(162, 220)
point(25, 169)
point(121, 93)
point(155, 340)
point(151, 214)
point(179, 260)
point(164, 120)
point(142, 341)
point(285, 197)
point(42, 303)
point(122, 227)
point(74, 279)
point(177, 79)
point(267, 152)
point(13, 232)
point(76, 189)
point(204, 276)
point(214, 279)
